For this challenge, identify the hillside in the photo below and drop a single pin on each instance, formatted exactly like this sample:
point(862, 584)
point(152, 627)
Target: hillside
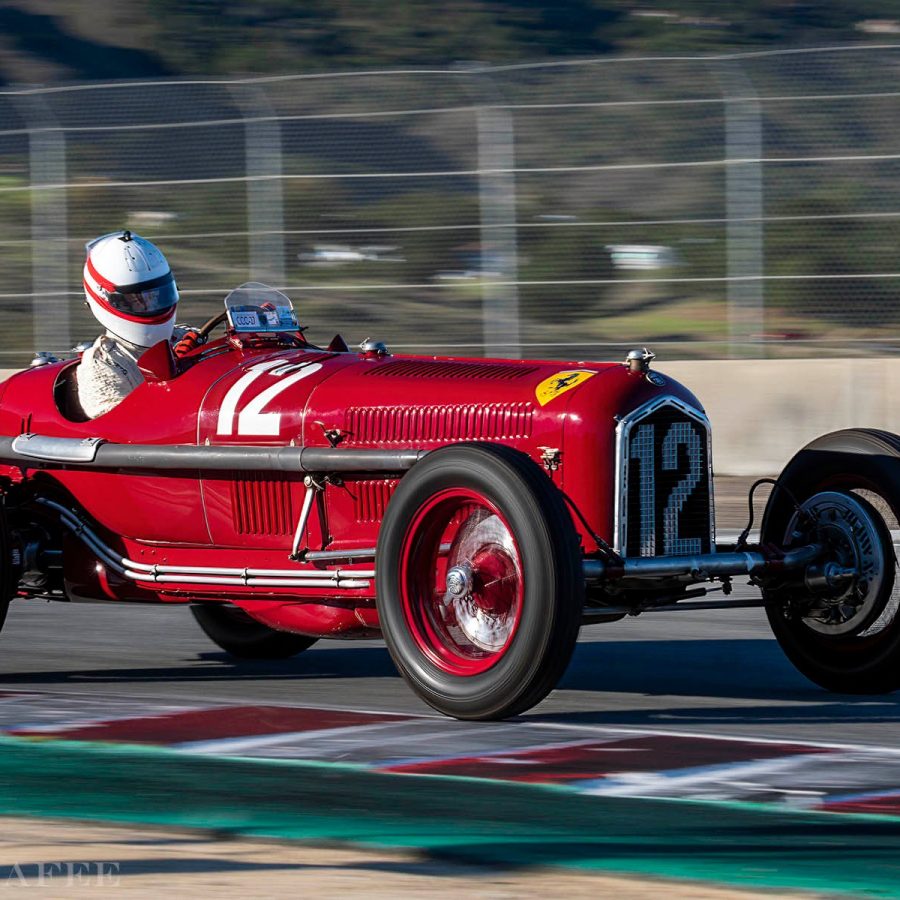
point(46, 41)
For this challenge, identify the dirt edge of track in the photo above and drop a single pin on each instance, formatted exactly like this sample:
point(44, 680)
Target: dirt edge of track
point(143, 863)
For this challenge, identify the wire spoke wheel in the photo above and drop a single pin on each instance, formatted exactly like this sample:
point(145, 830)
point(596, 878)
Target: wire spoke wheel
point(462, 581)
point(479, 581)
point(840, 624)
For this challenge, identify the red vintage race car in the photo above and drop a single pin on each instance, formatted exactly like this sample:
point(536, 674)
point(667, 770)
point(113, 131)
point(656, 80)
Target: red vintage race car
point(475, 512)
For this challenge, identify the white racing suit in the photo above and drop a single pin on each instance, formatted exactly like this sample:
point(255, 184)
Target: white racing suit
point(108, 372)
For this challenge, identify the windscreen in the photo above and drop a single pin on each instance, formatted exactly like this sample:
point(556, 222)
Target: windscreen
point(255, 307)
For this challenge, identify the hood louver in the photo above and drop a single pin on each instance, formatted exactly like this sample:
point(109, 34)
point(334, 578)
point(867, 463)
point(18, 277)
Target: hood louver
point(413, 368)
point(426, 425)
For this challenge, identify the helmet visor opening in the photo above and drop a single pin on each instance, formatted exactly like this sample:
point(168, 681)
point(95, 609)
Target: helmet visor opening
point(148, 300)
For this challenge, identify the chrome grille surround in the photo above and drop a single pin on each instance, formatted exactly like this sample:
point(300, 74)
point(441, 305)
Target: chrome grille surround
point(682, 431)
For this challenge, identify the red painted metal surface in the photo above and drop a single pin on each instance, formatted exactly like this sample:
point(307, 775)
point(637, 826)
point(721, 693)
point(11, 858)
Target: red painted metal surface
point(370, 498)
point(261, 504)
point(315, 619)
point(387, 426)
point(264, 396)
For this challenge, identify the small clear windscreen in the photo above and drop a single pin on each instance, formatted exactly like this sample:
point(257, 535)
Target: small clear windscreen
point(257, 307)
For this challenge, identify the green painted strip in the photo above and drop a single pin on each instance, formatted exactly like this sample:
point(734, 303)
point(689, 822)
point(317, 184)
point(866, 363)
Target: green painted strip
point(466, 819)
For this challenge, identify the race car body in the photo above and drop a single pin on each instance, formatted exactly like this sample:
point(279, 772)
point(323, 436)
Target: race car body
point(475, 511)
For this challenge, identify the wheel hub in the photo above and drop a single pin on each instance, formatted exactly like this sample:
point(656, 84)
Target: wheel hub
point(845, 586)
point(459, 581)
point(462, 581)
point(480, 584)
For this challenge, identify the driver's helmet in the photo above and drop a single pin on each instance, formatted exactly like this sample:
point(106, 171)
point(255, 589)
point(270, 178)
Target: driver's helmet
point(130, 288)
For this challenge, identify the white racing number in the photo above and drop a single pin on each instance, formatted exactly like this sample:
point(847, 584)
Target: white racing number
point(681, 433)
point(252, 420)
point(642, 449)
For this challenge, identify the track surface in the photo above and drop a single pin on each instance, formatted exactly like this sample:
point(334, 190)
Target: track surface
point(718, 672)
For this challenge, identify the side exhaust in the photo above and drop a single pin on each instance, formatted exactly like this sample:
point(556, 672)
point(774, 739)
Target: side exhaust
point(40, 451)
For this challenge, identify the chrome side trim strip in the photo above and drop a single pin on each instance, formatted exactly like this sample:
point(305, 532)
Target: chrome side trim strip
point(363, 554)
point(209, 575)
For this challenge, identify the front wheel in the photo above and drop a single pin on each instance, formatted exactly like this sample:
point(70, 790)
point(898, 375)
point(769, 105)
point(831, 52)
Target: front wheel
point(840, 625)
point(480, 587)
point(243, 637)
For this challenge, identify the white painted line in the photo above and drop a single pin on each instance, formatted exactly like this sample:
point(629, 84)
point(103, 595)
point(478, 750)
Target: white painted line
point(663, 781)
point(796, 742)
point(237, 745)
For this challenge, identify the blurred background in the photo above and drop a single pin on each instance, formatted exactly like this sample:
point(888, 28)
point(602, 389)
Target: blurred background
point(529, 178)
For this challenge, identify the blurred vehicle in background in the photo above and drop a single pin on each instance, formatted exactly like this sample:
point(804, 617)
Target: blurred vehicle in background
point(339, 254)
point(643, 256)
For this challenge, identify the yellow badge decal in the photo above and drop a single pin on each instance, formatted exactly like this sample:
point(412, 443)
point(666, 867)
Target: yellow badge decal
point(560, 383)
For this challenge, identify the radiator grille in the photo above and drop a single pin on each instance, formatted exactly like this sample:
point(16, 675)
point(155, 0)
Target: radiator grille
point(415, 368)
point(261, 504)
point(666, 485)
point(438, 424)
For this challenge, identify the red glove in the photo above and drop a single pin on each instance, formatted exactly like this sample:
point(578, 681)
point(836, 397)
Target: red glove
point(189, 342)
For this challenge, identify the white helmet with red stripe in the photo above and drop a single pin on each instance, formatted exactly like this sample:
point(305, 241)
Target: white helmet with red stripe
point(130, 288)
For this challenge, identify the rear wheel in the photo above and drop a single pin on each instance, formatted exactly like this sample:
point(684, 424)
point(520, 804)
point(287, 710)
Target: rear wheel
point(480, 588)
point(9, 574)
point(842, 630)
point(245, 638)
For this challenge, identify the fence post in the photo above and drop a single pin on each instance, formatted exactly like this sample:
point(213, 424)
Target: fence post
point(744, 211)
point(497, 208)
point(265, 198)
point(50, 287)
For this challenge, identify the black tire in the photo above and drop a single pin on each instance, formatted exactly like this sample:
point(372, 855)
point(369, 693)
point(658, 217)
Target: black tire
point(866, 464)
point(551, 581)
point(245, 638)
point(9, 575)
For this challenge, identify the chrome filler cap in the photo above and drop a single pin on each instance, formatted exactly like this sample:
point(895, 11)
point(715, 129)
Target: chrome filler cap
point(373, 349)
point(638, 360)
point(638, 363)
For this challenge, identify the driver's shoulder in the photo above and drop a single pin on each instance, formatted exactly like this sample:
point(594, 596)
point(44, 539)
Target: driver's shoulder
point(107, 354)
point(91, 353)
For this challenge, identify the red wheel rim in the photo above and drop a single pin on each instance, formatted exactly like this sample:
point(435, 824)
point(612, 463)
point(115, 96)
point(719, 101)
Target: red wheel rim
point(461, 582)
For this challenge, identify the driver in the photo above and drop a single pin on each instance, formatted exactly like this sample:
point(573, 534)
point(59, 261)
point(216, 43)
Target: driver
point(131, 291)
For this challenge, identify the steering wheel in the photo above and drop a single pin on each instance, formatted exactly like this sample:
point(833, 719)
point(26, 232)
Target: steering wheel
point(206, 328)
point(195, 337)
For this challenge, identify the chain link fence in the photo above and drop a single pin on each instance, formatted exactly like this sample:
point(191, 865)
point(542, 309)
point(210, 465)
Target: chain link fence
point(743, 205)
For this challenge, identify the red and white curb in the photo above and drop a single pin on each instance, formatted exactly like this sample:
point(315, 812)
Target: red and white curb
point(596, 760)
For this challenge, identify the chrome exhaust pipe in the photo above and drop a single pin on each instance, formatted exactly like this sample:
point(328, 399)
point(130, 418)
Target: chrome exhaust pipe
point(145, 573)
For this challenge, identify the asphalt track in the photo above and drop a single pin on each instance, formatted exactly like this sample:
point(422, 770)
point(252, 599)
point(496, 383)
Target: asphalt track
point(715, 672)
